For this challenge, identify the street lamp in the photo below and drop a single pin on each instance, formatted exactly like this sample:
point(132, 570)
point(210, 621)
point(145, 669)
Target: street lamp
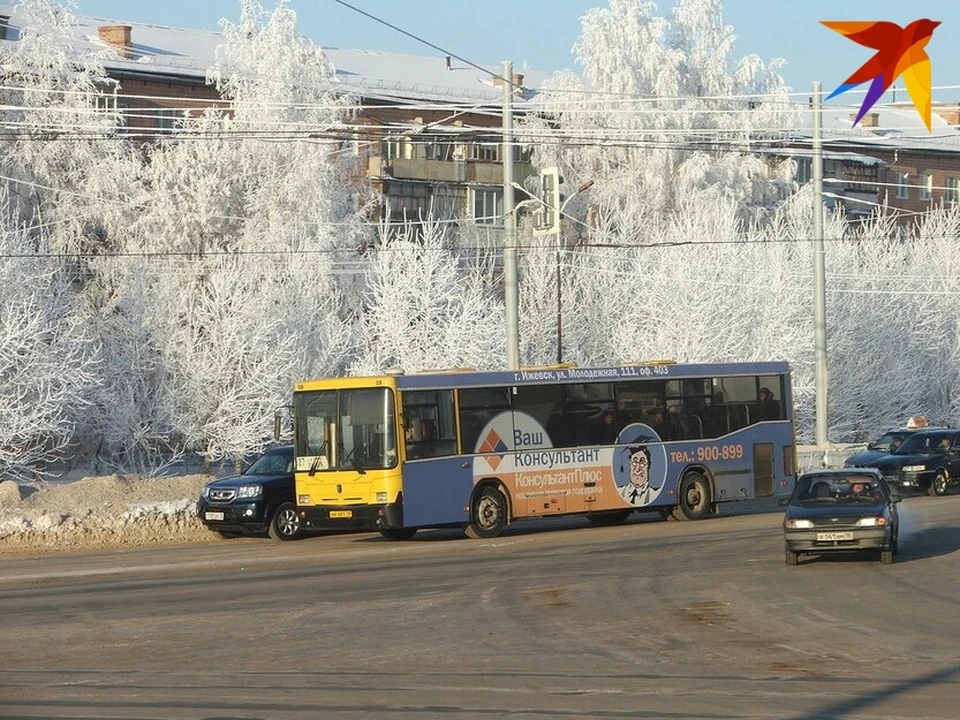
point(585, 186)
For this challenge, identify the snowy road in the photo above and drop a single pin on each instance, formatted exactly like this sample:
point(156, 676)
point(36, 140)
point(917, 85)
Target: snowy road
point(648, 619)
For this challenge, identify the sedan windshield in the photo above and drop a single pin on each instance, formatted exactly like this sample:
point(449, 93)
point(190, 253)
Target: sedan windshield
point(844, 489)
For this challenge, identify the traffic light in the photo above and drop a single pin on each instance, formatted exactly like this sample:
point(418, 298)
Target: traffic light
point(546, 219)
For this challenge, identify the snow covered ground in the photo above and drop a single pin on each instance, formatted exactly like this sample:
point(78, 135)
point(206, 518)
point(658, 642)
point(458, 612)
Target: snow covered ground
point(100, 512)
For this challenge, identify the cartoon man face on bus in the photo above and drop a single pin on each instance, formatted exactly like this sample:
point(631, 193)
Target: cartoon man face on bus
point(639, 467)
point(638, 490)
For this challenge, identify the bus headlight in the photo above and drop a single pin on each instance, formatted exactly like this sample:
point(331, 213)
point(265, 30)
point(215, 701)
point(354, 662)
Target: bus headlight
point(381, 497)
point(303, 500)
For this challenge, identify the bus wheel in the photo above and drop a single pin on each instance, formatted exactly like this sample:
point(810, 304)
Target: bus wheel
point(693, 498)
point(489, 516)
point(398, 533)
point(614, 517)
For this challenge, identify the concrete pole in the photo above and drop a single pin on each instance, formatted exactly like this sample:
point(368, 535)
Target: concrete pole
point(819, 272)
point(510, 290)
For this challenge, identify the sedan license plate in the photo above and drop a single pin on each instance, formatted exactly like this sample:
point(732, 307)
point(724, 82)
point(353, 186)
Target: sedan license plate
point(213, 516)
point(827, 536)
point(341, 513)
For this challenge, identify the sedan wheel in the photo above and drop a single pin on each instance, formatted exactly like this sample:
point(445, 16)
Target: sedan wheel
point(886, 557)
point(791, 557)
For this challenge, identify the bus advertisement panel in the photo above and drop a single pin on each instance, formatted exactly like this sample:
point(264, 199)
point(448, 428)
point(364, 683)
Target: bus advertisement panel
point(481, 450)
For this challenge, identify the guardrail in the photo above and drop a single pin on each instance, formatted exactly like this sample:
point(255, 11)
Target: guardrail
point(813, 457)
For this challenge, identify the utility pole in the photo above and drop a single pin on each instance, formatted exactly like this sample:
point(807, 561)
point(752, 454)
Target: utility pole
point(819, 273)
point(510, 290)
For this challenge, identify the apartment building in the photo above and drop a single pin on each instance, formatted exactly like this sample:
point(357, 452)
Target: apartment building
point(430, 126)
point(889, 161)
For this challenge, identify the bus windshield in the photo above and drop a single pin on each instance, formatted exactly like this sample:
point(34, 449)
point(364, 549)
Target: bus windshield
point(345, 429)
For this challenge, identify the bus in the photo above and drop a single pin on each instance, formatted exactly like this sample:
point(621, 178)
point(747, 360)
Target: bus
point(479, 450)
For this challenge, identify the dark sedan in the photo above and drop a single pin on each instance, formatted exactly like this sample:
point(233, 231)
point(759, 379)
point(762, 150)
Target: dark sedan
point(928, 460)
point(849, 509)
point(258, 502)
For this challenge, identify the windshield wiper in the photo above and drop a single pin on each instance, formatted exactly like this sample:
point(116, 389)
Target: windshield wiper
point(315, 465)
point(353, 462)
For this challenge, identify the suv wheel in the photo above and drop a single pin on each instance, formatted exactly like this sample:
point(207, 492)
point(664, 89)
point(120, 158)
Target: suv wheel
point(938, 486)
point(285, 524)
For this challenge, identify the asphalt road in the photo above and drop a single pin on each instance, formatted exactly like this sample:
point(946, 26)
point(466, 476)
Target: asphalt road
point(648, 619)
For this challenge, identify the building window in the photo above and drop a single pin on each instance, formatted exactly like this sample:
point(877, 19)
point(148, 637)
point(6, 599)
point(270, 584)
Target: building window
point(169, 118)
point(488, 207)
point(951, 185)
point(926, 186)
point(903, 185)
point(485, 152)
point(398, 149)
point(438, 150)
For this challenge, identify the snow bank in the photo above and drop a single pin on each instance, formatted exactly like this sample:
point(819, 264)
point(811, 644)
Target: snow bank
point(100, 512)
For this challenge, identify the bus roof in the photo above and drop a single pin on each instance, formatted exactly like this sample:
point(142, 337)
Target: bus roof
point(550, 375)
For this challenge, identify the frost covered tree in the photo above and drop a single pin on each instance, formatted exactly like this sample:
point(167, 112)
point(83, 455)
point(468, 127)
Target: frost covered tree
point(663, 114)
point(47, 357)
point(428, 307)
point(250, 210)
point(60, 148)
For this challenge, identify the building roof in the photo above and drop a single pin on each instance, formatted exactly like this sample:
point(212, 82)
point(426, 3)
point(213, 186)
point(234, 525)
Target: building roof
point(168, 51)
point(885, 127)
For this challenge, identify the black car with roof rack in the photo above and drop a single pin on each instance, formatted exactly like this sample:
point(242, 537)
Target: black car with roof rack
point(928, 460)
point(886, 443)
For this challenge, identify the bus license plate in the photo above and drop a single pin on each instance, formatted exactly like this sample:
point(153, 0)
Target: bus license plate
point(341, 513)
point(827, 536)
point(213, 516)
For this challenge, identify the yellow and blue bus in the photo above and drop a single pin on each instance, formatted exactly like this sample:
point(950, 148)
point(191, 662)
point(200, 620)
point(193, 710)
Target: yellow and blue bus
point(479, 450)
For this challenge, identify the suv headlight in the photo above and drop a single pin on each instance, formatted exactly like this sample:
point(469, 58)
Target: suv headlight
point(205, 493)
point(248, 491)
point(914, 468)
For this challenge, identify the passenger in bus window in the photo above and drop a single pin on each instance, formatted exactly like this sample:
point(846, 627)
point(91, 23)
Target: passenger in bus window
point(606, 429)
point(660, 425)
point(769, 408)
point(638, 490)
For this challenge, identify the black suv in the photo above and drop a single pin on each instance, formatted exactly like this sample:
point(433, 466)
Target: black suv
point(258, 502)
point(927, 460)
point(886, 443)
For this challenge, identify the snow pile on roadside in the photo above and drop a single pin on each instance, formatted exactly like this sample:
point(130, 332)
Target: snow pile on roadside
point(100, 512)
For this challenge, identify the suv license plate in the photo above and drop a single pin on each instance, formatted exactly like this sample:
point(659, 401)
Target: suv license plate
point(213, 516)
point(827, 536)
point(341, 513)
